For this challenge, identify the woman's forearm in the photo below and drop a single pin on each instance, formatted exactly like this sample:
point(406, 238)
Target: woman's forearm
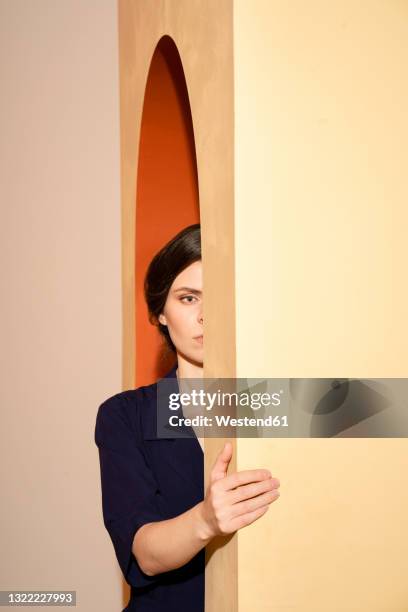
point(165, 545)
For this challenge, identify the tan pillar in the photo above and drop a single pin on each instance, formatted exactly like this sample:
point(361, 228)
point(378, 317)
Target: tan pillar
point(321, 150)
point(202, 32)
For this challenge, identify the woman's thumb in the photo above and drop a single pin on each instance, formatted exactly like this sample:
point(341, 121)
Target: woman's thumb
point(221, 463)
point(227, 450)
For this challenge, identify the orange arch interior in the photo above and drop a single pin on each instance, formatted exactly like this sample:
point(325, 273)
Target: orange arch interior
point(167, 188)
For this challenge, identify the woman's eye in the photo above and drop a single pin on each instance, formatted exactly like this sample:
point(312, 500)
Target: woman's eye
point(186, 297)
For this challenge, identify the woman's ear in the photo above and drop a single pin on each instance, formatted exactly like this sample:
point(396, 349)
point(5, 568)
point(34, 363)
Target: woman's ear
point(162, 319)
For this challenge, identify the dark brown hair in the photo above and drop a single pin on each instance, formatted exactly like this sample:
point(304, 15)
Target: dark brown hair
point(181, 251)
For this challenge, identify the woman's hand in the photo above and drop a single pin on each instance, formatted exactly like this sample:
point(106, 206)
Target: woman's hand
point(235, 501)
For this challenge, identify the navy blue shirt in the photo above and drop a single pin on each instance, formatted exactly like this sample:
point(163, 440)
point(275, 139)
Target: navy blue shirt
point(145, 478)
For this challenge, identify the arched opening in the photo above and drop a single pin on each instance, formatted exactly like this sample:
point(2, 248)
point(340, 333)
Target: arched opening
point(167, 188)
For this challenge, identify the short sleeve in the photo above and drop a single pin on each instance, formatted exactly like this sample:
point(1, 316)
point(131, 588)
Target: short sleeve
point(128, 486)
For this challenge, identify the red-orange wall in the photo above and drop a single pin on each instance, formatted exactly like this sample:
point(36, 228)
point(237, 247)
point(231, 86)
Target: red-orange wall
point(167, 188)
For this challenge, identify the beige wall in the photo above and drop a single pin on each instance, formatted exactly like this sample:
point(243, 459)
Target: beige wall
point(321, 134)
point(61, 300)
point(321, 139)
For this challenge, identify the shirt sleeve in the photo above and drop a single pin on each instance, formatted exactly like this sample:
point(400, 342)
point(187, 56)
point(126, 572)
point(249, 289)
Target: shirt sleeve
point(128, 486)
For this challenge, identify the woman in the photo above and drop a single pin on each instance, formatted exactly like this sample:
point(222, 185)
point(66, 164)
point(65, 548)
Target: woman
point(153, 500)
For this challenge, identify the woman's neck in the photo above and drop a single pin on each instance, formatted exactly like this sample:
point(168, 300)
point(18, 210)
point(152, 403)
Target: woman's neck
point(188, 369)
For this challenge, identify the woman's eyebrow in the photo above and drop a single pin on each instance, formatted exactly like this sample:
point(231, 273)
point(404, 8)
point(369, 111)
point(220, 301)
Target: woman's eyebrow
point(197, 291)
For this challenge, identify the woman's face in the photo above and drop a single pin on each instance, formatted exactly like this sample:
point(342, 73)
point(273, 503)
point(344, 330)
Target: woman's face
point(183, 313)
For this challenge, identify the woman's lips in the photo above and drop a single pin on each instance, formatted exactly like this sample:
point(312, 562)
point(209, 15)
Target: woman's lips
point(199, 339)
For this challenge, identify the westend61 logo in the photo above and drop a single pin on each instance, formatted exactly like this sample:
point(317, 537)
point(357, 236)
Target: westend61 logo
point(281, 407)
